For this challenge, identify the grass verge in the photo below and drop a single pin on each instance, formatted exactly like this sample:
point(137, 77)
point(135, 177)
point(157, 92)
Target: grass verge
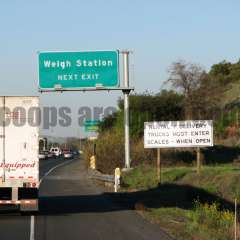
point(187, 205)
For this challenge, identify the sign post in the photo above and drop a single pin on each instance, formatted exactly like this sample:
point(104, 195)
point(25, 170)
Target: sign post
point(198, 160)
point(126, 107)
point(159, 167)
point(235, 219)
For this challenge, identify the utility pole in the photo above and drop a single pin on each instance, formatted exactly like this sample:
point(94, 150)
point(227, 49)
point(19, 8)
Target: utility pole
point(126, 107)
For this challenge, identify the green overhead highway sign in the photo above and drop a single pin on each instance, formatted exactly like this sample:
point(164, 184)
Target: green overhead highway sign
point(91, 125)
point(76, 70)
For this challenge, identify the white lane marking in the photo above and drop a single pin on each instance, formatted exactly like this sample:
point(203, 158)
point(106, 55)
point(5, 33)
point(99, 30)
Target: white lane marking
point(52, 169)
point(32, 228)
point(32, 222)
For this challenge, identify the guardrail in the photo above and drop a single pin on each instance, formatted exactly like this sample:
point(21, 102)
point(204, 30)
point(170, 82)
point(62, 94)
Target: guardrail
point(94, 174)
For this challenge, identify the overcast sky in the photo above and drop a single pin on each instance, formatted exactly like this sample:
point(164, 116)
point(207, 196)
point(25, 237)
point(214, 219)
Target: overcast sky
point(157, 31)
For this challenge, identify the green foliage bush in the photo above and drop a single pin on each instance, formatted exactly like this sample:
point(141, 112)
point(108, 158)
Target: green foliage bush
point(225, 72)
point(141, 155)
point(110, 150)
point(210, 219)
point(164, 106)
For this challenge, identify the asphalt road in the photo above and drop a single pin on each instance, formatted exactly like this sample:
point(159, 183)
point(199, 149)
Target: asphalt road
point(72, 207)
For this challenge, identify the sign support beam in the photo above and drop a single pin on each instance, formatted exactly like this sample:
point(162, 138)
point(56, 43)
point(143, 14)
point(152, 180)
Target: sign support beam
point(108, 89)
point(126, 107)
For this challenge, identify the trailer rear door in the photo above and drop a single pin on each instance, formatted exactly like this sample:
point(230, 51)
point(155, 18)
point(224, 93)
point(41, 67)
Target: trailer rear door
point(20, 142)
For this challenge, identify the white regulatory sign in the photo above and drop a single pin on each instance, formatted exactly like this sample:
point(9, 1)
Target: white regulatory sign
point(178, 134)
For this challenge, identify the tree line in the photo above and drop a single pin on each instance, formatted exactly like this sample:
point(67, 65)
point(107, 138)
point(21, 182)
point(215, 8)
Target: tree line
point(191, 93)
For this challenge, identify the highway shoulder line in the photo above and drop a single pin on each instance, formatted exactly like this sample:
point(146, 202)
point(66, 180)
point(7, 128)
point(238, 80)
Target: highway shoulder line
point(53, 168)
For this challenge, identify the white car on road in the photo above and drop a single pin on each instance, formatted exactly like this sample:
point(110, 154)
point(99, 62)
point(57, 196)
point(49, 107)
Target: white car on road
point(56, 151)
point(67, 154)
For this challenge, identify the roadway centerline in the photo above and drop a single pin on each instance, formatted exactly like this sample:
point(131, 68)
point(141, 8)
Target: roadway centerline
point(32, 219)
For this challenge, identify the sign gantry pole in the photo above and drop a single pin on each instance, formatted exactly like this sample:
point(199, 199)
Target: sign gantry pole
point(126, 107)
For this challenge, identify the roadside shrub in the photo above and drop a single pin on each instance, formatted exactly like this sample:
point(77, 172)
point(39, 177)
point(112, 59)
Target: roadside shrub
point(141, 155)
point(110, 151)
point(209, 218)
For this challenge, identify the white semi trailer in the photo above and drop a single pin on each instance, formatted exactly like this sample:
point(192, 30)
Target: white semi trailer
point(19, 163)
